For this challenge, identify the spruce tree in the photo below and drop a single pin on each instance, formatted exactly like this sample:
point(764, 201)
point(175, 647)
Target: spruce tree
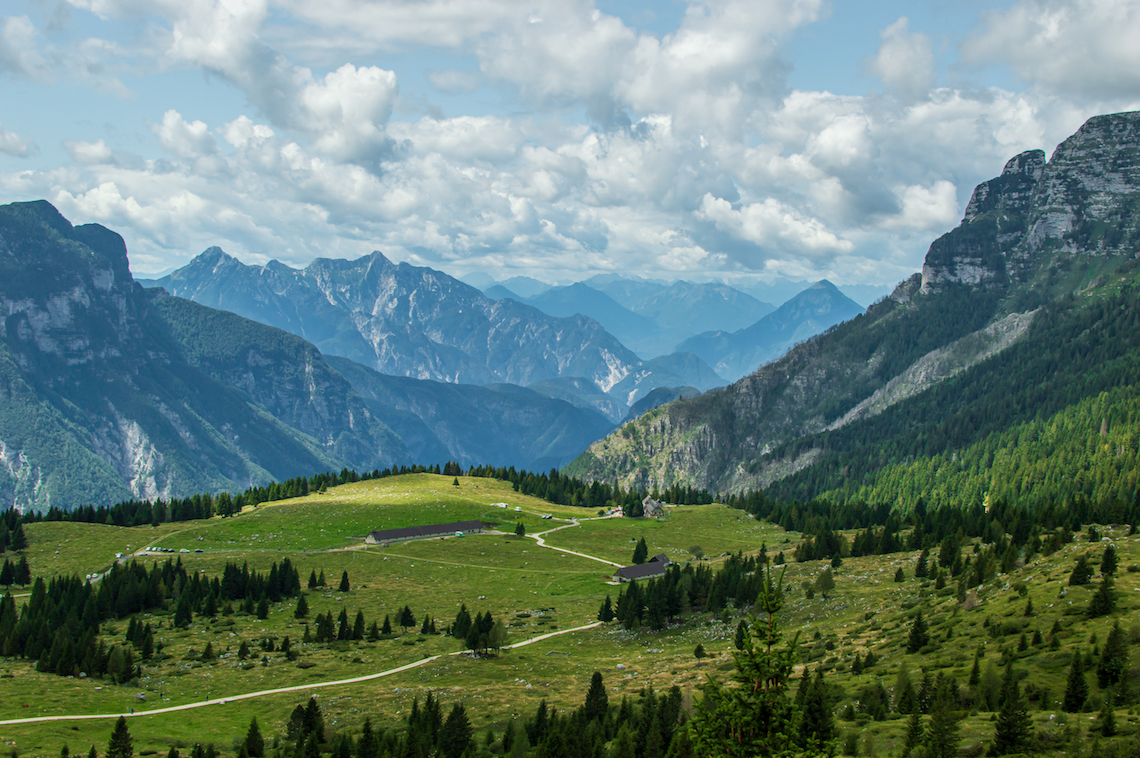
point(914, 733)
point(597, 701)
point(263, 608)
point(520, 529)
point(1107, 717)
point(942, 733)
point(641, 552)
point(817, 723)
point(920, 567)
point(254, 742)
point(919, 637)
point(1103, 601)
point(120, 744)
point(1013, 732)
point(757, 717)
point(976, 671)
point(407, 618)
point(313, 579)
point(606, 612)
point(302, 608)
point(1076, 686)
point(1081, 573)
point(741, 633)
point(455, 735)
point(1108, 561)
point(19, 540)
point(343, 587)
point(358, 626)
point(1112, 668)
point(387, 629)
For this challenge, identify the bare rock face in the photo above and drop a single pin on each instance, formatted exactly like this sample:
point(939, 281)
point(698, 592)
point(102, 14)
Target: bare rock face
point(1079, 203)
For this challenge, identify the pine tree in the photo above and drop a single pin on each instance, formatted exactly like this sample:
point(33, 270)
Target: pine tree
point(640, 552)
point(1103, 601)
point(1014, 730)
point(313, 579)
point(387, 630)
point(920, 567)
point(606, 613)
point(817, 723)
point(455, 736)
point(343, 582)
point(302, 608)
point(263, 608)
point(1107, 717)
point(254, 742)
point(1108, 561)
point(407, 618)
point(120, 744)
point(741, 633)
point(1076, 686)
point(1081, 573)
point(1112, 668)
point(919, 636)
point(520, 529)
point(914, 733)
point(942, 733)
point(321, 579)
point(899, 575)
point(358, 626)
point(757, 717)
point(19, 540)
point(597, 701)
point(976, 671)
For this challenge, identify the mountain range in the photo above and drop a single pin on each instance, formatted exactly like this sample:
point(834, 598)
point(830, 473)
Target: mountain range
point(404, 320)
point(112, 391)
point(1024, 317)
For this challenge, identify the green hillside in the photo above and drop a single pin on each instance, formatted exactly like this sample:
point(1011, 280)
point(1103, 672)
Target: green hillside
point(1024, 612)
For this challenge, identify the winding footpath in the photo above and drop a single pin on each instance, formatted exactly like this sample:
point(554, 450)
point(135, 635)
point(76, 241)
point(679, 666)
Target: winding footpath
point(538, 537)
point(279, 690)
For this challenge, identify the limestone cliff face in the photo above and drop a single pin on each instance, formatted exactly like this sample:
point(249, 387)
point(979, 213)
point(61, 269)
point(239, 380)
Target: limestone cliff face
point(1079, 203)
point(1039, 230)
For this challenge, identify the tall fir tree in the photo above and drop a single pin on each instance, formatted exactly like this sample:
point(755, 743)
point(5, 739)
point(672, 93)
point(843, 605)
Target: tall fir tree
point(1013, 732)
point(120, 745)
point(919, 637)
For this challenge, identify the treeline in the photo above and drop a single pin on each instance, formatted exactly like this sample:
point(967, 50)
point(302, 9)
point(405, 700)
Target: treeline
point(481, 634)
point(59, 625)
point(686, 589)
point(555, 487)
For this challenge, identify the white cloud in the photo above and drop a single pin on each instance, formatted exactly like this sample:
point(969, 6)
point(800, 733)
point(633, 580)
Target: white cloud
point(1086, 50)
point(19, 53)
point(12, 144)
point(771, 223)
point(904, 61)
point(89, 152)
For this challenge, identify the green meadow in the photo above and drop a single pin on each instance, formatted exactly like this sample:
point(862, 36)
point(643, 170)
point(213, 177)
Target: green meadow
point(534, 591)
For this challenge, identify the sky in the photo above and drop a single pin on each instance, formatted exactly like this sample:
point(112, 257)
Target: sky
point(752, 141)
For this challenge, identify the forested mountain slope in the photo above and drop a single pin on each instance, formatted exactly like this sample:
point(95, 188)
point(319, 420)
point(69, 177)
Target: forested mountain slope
point(108, 393)
point(1024, 314)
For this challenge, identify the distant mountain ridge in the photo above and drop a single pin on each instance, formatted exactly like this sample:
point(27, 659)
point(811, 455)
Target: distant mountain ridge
point(417, 322)
point(735, 354)
point(1026, 311)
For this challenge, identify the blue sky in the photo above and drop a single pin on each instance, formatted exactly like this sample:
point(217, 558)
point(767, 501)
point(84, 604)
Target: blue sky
point(746, 141)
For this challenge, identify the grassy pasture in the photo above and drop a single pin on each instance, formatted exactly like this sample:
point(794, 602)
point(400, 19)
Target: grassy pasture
point(534, 591)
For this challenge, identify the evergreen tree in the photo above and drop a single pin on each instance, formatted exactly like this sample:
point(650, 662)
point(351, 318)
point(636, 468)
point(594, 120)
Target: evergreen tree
point(899, 575)
point(520, 529)
point(313, 579)
point(919, 637)
point(254, 742)
point(757, 717)
point(606, 613)
point(597, 701)
point(1107, 717)
point(1076, 685)
point(914, 733)
point(1112, 668)
point(387, 630)
point(120, 744)
point(462, 623)
point(1081, 573)
point(1108, 561)
point(358, 626)
point(640, 552)
point(19, 540)
point(741, 633)
point(321, 579)
point(182, 615)
point(976, 671)
point(1103, 601)
point(455, 736)
point(1014, 730)
point(407, 618)
point(343, 587)
point(825, 583)
point(920, 567)
point(263, 608)
point(942, 733)
point(817, 722)
point(302, 608)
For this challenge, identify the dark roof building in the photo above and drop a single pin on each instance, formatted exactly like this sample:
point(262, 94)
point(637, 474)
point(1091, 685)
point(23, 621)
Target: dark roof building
point(403, 534)
point(651, 569)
